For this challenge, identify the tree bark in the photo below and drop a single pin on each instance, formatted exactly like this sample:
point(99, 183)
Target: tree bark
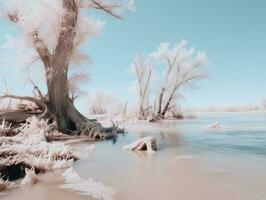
point(166, 107)
point(159, 112)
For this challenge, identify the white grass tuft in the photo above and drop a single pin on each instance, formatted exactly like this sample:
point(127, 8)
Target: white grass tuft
point(31, 148)
point(88, 187)
point(5, 129)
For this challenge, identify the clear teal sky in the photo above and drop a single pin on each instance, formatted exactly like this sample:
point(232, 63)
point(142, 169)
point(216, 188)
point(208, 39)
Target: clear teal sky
point(232, 32)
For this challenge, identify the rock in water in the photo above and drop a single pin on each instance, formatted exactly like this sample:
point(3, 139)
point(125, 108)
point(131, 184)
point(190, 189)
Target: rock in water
point(215, 126)
point(143, 144)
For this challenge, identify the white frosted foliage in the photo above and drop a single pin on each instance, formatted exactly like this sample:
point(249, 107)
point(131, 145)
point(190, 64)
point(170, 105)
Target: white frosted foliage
point(88, 187)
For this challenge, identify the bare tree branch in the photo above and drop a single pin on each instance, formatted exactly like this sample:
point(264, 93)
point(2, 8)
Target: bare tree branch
point(106, 7)
point(38, 102)
point(38, 43)
point(36, 88)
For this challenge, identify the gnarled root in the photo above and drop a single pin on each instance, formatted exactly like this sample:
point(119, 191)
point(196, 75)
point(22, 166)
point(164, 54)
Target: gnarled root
point(71, 123)
point(96, 131)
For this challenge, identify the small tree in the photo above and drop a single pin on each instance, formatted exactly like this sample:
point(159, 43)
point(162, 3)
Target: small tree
point(182, 69)
point(143, 70)
point(102, 102)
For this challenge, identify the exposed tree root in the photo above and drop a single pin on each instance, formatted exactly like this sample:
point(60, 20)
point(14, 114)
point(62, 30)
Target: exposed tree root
point(40, 108)
point(29, 138)
point(96, 131)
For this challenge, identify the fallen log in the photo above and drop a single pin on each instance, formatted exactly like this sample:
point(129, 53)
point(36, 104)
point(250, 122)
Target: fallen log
point(16, 116)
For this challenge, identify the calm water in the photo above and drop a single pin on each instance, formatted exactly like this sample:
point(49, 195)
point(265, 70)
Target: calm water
point(192, 163)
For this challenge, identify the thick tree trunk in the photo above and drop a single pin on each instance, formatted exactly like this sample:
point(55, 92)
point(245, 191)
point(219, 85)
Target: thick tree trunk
point(62, 110)
point(59, 103)
point(69, 119)
point(58, 97)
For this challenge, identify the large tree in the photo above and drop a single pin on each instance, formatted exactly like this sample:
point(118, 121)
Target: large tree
point(55, 29)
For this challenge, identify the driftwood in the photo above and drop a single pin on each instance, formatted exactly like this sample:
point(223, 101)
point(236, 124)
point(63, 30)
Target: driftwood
point(63, 137)
point(16, 116)
point(153, 118)
point(143, 144)
point(23, 110)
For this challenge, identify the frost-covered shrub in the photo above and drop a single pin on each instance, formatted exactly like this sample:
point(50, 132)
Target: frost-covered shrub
point(102, 102)
point(29, 149)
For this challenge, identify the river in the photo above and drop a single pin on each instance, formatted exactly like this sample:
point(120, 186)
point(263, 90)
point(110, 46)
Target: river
point(192, 162)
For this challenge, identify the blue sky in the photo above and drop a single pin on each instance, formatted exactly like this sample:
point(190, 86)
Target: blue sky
point(232, 32)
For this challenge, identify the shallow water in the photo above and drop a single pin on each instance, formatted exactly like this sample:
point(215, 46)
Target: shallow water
point(191, 163)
